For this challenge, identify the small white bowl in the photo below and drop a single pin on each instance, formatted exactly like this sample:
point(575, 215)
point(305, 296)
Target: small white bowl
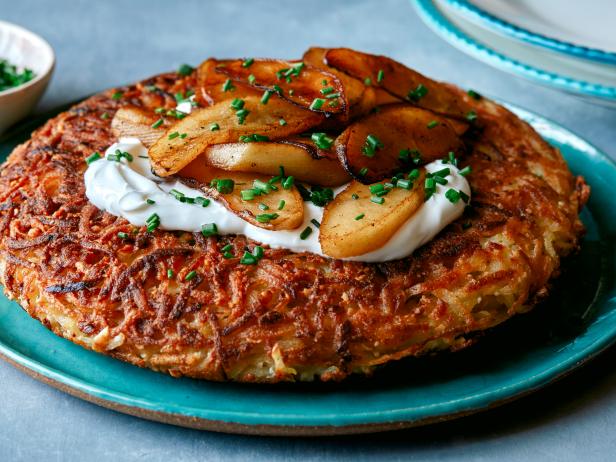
point(23, 49)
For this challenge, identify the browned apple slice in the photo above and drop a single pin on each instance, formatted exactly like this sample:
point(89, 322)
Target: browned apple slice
point(299, 159)
point(399, 80)
point(213, 86)
point(220, 123)
point(361, 98)
point(298, 82)
point(131, 121)
point(263, 210)
point(396, 137)
point(354, 225)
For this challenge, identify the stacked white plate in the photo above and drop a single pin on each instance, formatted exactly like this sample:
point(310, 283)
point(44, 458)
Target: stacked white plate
point(567, 45)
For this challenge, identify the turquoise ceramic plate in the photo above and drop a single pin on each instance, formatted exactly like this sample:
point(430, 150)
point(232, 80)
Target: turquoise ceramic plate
point(530, 351)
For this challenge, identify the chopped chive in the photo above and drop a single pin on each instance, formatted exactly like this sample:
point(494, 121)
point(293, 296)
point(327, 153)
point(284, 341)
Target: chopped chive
point(305, 233)
point(170, 273)
point(105, 115)
point(414, 174)
point(173, 135)
point(324, 82)
point(377, 200)
point(258, 252)
point(368, 81)
point(471, 116)
point(251, 79)
point(183, 135)
point(404, 184)
point(262, 186)
point(432, 124)
point(203, 201)
point(214, 127)
point(93, 158)
point(253, 138)
point(316, 104)
point(326, 90)
point(465, 197)
point(442, 173)
point(315, 223)
point(322, 140)
point(117, 95)
point(282, 122)
point(363, 171)
point(418, 93)
point(360, 216)
point(247, 194)
point(225, 186)
point(263, 206)
point(466, 170)
point(332, 96)
point(380, 75)
point(266, 96)
point(228, 255)
point(158, 123)
point(266, 217)
point(227, 86)
point(371, 146)
point(430, 183)
point(281, 204)
point(288, 182)
point(190, 276)
point(227, 248)
point(185, 70)
point(248, 259)
point(440, 180)
point(452, 195)
point(277, 89)
point(122, 235)
point(354, 196)
point(209, 229)
point(473, 94)
point(375, 188)
point(248, 62)
point(150, 201)
point(237, 103)
point(152, 222)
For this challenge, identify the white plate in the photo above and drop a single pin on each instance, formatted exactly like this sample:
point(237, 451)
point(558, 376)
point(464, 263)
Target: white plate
point(595, 81)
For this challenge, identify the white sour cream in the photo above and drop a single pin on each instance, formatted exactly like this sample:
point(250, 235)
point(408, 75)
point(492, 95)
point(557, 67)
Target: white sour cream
point(122, 188)
point(186, 106)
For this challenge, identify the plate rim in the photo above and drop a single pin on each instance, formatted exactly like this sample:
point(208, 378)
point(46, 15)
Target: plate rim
point(522, 34)
point(429, 13)
point(357, 422)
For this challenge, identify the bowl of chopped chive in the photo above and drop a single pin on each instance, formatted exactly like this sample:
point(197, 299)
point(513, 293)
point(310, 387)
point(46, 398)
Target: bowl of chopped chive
point(26, 65)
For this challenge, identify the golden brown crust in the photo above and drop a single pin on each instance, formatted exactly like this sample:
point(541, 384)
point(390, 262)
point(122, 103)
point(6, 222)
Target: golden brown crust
point(292, 316)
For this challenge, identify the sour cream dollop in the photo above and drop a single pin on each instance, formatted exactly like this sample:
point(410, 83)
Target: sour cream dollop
point(123, 189)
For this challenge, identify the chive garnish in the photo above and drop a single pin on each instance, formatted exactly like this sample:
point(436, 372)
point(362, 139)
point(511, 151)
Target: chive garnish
point(371, 146)
point(380, 75)
point(190, 276)
point(248, 259)
point(282, 122)
point(322, 140)
point(225, 185)
point(377, 200)
point(105, 115)
point(471, 116)
point(248, 194)
point(418, 93)
point(368, 81)
point(209, 229)
point(316, 104)
point(158, 123)
point(263, 206)
point(122, 235)
point(432, 124)
point(281, 204)
point(251, 79)
point(363, 171)
point(117, 95)
point(288, 182)
point(452, 195)
point(150, 201)
point(173, 135)
point(237, 103)
point(266, 96)
point(258, 252)
point(214, 127)
point(466, 170)
point(326, 90)
point(170, 273)
point(185, 69)
point(248, 62)
point(266, 217)
point(360, 216)
point(93, 158)
point(354, 196)
point(305, 233)
point(473, 94)
point(315, 223)
point(227, 86)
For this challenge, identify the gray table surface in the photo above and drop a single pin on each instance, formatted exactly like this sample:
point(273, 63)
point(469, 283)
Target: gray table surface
point(102, 44)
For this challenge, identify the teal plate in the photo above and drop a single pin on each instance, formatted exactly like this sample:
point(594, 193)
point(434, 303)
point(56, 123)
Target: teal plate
point(577, 322)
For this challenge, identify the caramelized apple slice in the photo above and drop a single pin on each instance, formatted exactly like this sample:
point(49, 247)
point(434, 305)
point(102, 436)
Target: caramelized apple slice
point(361, 98)
point(396, 137)
point(263, 210)
point(399, 80)
point(219, 123)
point(354, 225)
point(301, 160)
point(213, 86)
point(302, 84)
point(135, 122)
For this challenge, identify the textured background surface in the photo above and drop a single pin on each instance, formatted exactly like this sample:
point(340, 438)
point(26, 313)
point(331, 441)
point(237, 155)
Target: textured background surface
point(102, 44)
